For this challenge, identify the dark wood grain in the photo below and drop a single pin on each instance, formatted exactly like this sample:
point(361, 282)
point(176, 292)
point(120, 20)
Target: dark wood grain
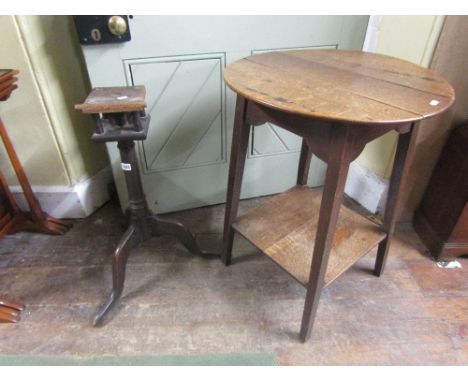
point(317, 132)
point(442, 218)
point(333, 191)
point(346, 86)
point(240, 140)
point(304, 163)
point(404, 152)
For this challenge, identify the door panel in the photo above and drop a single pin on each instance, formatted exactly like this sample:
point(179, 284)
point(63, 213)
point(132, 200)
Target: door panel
point(180, 60)
point(269, 139)
point(189, 131)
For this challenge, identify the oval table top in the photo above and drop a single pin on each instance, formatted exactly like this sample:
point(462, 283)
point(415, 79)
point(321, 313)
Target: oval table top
point(339, 85)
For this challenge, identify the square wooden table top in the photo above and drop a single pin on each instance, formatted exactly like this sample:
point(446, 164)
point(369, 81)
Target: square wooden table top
point(114, 100)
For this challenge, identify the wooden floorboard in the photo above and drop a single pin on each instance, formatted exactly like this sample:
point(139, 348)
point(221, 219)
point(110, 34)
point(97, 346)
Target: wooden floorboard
point(173, 303)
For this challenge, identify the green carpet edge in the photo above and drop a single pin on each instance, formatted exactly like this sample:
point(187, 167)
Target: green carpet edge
point(229, 359)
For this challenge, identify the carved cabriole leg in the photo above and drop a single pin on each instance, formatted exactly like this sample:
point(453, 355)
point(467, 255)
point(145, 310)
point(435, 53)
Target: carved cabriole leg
point(304, 163)
point(404, 152)
point(337, 171)
point(240, 140)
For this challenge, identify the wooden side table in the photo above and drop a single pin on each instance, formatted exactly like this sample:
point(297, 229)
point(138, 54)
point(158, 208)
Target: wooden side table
point(119, 113)
point(338, 101)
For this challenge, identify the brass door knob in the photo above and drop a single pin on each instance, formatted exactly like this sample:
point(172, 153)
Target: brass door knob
point(117, 25)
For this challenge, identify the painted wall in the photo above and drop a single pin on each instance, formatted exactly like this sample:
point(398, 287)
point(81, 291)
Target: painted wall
point(50, 137)
point(450, 60)
point(26, 118)
point(411, 38)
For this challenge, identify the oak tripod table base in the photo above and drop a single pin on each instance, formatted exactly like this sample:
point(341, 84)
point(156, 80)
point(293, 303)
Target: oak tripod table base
point(119, 115)
point(140, 229)
point(143, 224)
point(337, 101)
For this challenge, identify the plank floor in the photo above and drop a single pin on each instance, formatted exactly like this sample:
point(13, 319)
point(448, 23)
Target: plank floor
point(173, 303)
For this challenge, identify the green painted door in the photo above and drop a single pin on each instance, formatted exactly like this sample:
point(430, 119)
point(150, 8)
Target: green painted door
point(184, 161)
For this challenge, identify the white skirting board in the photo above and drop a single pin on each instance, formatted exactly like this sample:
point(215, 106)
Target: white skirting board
point(84, 198)
point(368, 189)
point(73, 202)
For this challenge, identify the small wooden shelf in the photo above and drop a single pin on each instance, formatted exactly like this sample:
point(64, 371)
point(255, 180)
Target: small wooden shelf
point(284, 229)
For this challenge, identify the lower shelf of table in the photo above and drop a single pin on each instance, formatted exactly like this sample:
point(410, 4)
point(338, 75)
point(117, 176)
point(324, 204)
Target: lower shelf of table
point(284, 229)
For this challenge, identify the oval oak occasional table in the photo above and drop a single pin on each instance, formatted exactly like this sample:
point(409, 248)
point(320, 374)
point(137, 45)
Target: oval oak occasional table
point(337, 101)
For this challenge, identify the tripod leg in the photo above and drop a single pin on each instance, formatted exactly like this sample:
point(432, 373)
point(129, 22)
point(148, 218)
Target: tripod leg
point(119, 261)
point(166, 226)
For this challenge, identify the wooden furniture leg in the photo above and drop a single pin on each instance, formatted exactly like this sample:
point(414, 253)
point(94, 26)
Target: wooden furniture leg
point(333, 191)
point(13, 212)
point(129, 240)
point(240, 140)
point(10, 311)
point(8, 315)
point(304, 163)
point(12, 205)
point(404, 152)
point(36, 219)
point(142, 225)
point(166, 226)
